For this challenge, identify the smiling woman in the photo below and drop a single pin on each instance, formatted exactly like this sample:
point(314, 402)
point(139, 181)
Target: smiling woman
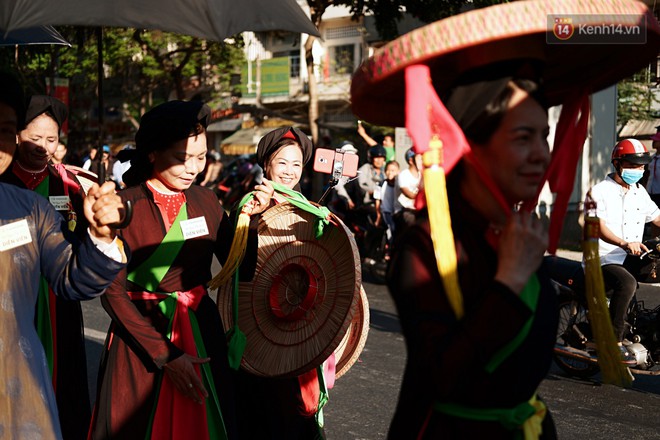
point(166, 371)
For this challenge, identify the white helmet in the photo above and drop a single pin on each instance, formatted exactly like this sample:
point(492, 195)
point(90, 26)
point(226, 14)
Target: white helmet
point(347, 147)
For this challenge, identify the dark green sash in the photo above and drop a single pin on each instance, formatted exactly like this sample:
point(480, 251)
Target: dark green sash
point(151, 272)
point(510, 418)
point(43, 320)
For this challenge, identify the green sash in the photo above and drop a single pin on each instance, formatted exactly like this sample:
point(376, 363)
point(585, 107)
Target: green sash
point(530, 296)
point(510, 418)
point(44, 323)
point(151, 272)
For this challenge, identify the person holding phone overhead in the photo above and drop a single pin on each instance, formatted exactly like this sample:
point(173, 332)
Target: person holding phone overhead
point(281, 408)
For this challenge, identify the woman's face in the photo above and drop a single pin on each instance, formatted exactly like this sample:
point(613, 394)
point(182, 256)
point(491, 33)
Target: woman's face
point(178, 166)
point(285, 166)
point(517, 154)
point(37, 142)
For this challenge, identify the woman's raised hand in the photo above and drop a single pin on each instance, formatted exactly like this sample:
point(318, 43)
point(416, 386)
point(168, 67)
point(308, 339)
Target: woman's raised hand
point(262, 195)
point(522, 244)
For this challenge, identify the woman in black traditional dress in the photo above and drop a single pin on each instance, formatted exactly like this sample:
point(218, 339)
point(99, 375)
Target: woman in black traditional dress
point(165, 371)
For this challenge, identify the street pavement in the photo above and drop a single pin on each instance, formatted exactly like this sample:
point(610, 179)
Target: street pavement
point(363, 400)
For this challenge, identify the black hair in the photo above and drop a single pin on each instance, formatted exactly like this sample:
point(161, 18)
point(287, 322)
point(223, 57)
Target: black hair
point(483, 127)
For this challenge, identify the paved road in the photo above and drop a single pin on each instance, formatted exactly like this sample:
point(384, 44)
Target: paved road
point(362, 402)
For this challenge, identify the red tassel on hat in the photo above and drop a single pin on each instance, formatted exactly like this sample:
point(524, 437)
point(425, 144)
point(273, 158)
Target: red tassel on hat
point(570, 134)
point(437, 135)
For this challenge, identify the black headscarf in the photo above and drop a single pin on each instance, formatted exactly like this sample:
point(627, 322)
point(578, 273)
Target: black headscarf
point(161, 127)
point(170, 122)
point(270, 143)
point(40, 104)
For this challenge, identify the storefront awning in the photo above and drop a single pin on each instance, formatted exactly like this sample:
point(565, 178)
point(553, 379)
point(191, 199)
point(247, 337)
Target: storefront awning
point(225, 125)
point(244, 141)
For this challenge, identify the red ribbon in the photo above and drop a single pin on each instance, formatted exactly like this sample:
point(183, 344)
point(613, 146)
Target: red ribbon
point(570, 134)
point(177, 416)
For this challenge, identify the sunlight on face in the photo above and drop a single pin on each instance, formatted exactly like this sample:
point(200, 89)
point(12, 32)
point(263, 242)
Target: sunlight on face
point(37, 142)
point(517, 154)
point(285, 166)
point(177, 167)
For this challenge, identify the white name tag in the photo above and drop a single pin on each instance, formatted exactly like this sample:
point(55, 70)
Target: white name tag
point(195, 227)
point(14, 235)
point(60, 203)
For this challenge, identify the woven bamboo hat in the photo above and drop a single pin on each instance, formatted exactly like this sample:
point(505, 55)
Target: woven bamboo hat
point(547, 33)
point(349, 349)
point(302, 298)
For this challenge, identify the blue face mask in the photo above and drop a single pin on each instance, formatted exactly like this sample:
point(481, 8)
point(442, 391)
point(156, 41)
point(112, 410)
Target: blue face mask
point(631, 176)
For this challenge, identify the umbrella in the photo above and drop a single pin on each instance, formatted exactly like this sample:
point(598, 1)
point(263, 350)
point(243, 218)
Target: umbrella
point(208, 19)
point(33, 35)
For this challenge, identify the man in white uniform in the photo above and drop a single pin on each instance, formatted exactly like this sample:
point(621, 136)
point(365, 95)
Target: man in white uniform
point(624, 207)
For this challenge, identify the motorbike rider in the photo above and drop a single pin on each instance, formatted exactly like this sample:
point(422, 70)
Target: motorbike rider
point(624, 207)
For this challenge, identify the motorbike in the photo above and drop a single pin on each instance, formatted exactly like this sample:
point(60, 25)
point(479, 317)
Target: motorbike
point(574, 350)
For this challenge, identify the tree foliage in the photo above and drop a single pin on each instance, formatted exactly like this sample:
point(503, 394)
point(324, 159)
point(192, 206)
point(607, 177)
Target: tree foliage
point(140, 69)
point(636, 99)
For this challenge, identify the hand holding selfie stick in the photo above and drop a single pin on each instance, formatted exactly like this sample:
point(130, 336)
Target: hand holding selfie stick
point(337, 169)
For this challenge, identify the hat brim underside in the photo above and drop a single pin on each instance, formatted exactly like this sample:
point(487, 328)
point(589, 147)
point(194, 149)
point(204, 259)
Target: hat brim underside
point(496, 36)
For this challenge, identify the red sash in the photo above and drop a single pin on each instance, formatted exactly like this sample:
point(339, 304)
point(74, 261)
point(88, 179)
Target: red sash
point(176, 416)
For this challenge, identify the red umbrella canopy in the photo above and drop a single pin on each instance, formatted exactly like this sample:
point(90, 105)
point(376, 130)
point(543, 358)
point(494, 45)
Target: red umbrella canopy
point(208, 19)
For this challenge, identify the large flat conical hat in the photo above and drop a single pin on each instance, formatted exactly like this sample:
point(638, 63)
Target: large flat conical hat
point(349, 349)
point(303, 295)
point(610, 40)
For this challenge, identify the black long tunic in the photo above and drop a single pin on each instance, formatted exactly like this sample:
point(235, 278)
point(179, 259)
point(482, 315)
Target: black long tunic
point(137, 345)
point(447, 357)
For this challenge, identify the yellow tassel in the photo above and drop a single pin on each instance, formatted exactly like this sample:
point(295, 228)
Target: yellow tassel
point(609, 355)
point(437, 203)
point(533, 427)
point(72, 218)
point(237, 250)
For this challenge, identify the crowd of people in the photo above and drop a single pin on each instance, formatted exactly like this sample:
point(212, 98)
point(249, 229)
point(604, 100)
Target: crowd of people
point(382, 195)
point(162, 361)
point(479, 337)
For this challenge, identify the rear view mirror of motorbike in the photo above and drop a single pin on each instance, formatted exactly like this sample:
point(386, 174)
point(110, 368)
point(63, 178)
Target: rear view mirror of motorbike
point(336, 163)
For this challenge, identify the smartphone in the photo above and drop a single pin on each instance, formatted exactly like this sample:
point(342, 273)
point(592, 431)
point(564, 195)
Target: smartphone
point(336, 163)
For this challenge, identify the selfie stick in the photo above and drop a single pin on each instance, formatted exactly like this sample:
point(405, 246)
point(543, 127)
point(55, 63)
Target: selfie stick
point(337, 170)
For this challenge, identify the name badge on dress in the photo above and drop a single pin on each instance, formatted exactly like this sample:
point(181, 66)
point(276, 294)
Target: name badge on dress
point(14, 234)
point(195, 227)
point(60, 203)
